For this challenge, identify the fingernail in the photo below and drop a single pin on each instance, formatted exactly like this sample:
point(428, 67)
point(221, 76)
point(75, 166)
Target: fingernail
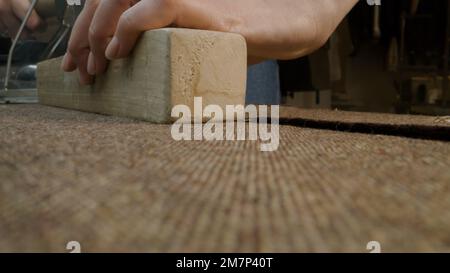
point(113, 49)
point(65, 63)
point(91, 67)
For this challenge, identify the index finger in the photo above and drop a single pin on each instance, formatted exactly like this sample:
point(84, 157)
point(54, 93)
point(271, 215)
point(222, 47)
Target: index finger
point(78, 48)
point(102, 29)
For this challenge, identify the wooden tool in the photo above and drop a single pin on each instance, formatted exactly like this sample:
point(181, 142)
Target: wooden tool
point(168, 67)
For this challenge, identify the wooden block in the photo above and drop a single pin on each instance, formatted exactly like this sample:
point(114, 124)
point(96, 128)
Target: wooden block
point(168, 67)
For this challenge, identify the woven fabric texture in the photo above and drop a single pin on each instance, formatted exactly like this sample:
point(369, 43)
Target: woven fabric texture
point(422, 127)
point(115, 184)
point(363, 117)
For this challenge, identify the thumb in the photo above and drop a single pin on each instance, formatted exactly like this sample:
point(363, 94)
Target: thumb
point(145, 15)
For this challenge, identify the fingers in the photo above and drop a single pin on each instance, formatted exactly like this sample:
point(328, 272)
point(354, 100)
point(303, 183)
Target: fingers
point(20, 8)
point(11, 14)
point(145, 15)
point(9, 21)
point(78, 49)
point(101, 30)
point(68, 64)
point(111, 28)
point(12, 24)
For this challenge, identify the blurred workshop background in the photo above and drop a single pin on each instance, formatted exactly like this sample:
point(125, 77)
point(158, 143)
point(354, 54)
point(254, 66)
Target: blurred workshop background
point(392, 57)
point(389, 58)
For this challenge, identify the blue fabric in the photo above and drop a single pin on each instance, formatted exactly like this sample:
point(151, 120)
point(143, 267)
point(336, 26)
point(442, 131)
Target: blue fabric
point(263, 84)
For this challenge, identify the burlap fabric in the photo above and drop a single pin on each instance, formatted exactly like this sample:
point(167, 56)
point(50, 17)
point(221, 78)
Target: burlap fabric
point(115, 184)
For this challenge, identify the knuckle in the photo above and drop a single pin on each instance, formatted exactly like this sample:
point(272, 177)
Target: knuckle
point(95, 34)
point(74, 49)
point(71, 51)
point(127, 20)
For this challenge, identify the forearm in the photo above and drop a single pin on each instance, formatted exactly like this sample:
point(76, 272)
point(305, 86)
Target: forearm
point(276, 29)
point(302, 27)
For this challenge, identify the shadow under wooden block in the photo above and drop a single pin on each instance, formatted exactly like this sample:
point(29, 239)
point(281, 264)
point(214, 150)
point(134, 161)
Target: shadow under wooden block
point(168, 67)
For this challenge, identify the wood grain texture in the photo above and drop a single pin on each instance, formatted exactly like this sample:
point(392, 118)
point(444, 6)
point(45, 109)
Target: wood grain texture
point(168, 67)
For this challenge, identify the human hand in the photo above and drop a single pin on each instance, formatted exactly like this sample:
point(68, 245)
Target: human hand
point(12, 13)
point(274, 29)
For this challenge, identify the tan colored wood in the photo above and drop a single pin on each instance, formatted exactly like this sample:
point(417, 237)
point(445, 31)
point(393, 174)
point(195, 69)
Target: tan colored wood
point(168, 67)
